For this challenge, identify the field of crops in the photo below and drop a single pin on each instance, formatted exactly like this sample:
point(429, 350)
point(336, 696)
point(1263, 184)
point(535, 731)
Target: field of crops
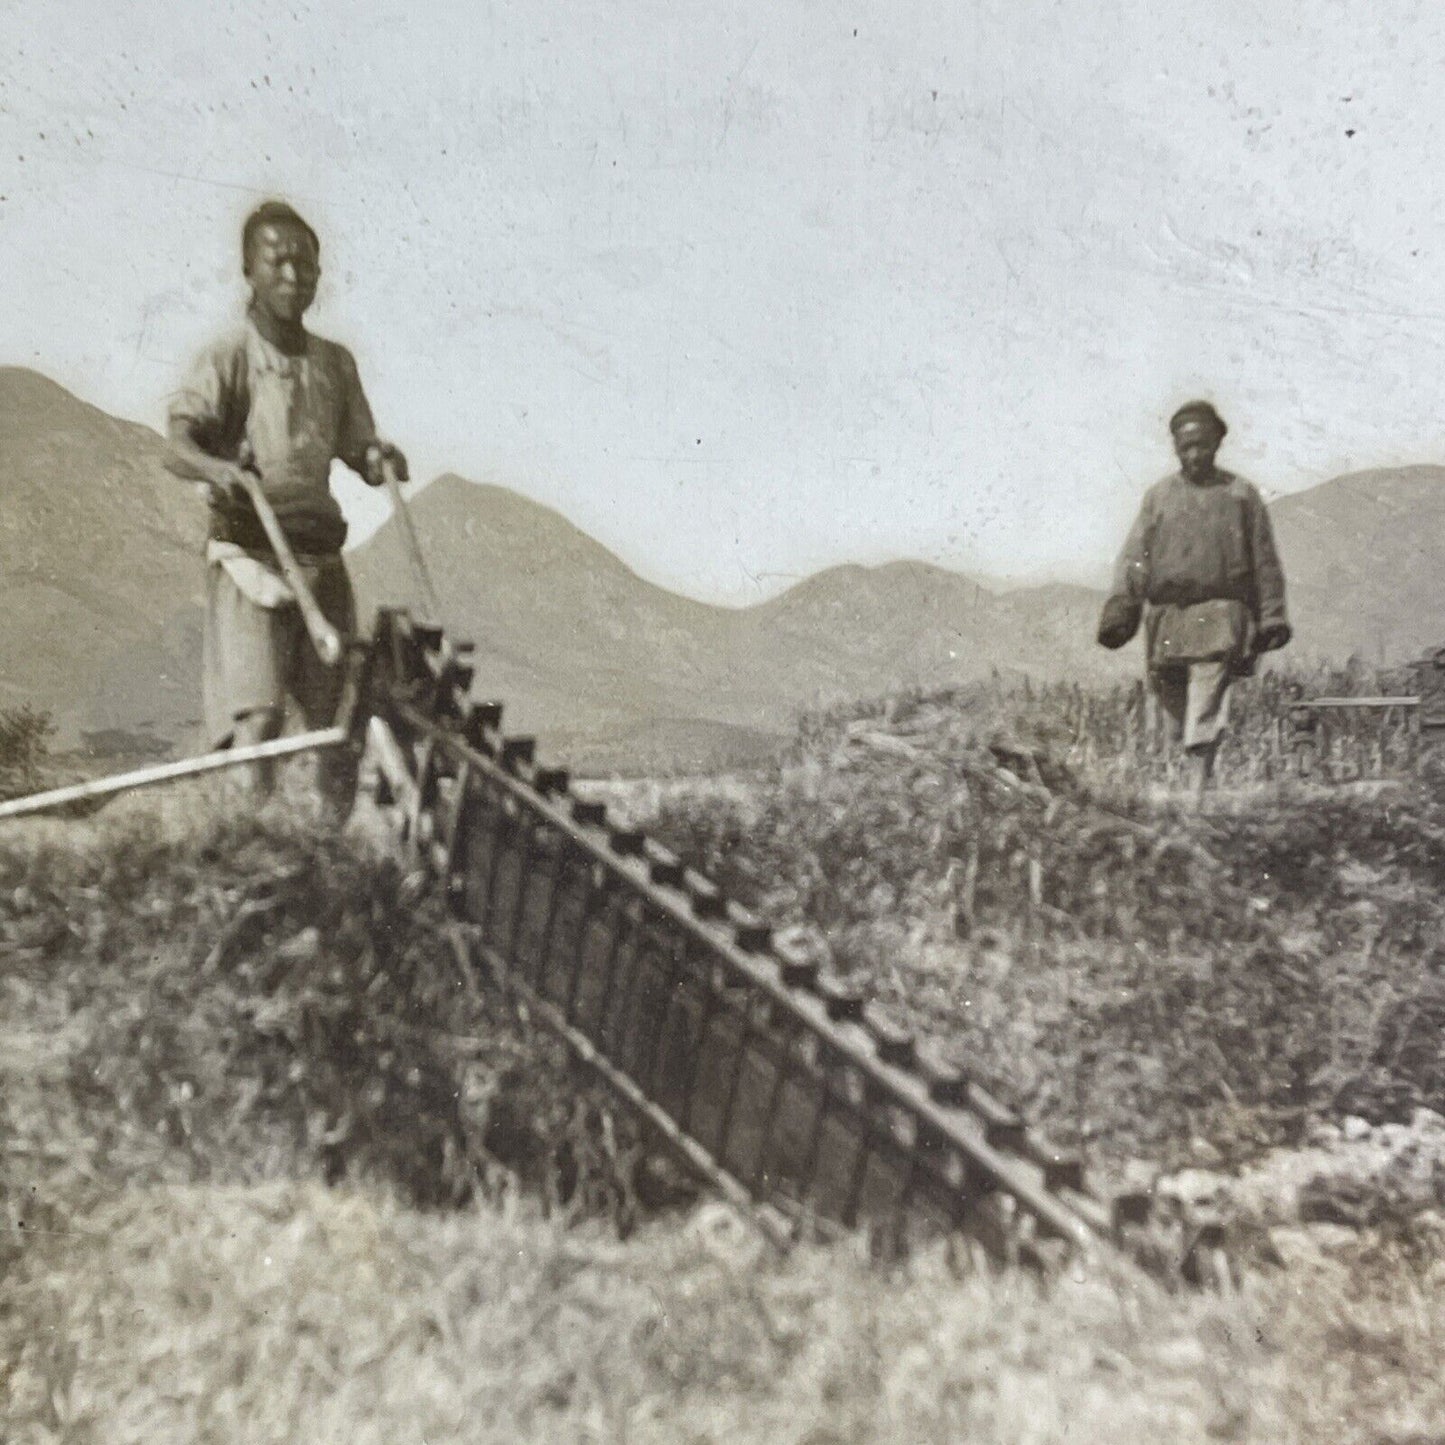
point(1115, 735)
point(272, 1168)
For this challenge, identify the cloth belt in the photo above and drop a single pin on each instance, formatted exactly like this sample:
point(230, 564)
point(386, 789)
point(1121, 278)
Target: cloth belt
point(258, 575)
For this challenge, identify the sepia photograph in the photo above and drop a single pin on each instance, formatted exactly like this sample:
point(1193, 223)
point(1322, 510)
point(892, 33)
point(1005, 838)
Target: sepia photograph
point(722, 723)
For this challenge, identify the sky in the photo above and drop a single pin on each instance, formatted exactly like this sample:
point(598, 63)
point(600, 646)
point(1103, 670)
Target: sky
point(749, 287)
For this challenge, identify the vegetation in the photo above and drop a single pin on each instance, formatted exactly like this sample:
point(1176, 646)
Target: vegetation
point(290, 1312)
point(1136, 976)
point(272, 1167)
point(25, 734)
point(1112, 736)
point(247, 999)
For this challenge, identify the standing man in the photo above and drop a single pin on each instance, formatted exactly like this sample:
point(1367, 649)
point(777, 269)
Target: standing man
point(1200, 566)
point(273, 398)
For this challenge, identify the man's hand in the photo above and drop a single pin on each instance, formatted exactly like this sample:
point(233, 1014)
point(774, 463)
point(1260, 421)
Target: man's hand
point(378, 454)
point(226, 487)
point(1273, 637)
point(1119, 621)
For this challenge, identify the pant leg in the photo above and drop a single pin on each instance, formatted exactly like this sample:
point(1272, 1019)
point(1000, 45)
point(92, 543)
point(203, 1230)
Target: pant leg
point(1170, 686)
point(317, 688)
point(1206, 713)
point(243, 666)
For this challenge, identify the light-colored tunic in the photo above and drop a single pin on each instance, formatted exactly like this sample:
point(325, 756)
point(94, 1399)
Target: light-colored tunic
point(1201, 560)
point(290, 416)
point(1196, 543)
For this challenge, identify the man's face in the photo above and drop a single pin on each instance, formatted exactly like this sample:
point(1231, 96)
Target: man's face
point(1195, 443)
point(283, 270)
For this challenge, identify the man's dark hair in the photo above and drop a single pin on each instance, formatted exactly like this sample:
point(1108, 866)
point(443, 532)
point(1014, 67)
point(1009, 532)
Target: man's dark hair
point(1198, 411)
point(271, 213)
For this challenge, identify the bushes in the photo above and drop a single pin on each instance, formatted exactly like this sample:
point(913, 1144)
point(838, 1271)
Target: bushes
point(1126, 971)
point(254, 1001)
point(25, 734)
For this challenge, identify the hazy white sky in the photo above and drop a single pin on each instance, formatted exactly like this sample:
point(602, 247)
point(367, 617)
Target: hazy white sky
point(745, 287)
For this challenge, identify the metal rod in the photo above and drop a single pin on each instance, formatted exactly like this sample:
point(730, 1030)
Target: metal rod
point(614, 924)
point(677, 961)
point(622, 986)
point(907, 1189)
point(431, 604)
point(707, 1010)
point(758, 1179)
point(520, 892)
point(500, 824)
point(169, 772)
point(419, 800)
point(740, 1060)
point(555, 893)
point(859, 1172)
point(807, 1182)
point(622, 933)
point(631, 1039)
point(391, 759)
point(453, 823)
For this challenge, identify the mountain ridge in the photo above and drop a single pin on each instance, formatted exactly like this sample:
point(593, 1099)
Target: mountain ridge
point(99, 582)
point(101, 586)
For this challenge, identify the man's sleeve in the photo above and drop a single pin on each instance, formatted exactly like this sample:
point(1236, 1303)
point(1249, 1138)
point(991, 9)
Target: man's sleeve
point(1131, 572)
point(1124, 607)
point(358, 430)
point(1268, 573)
point(211, 402)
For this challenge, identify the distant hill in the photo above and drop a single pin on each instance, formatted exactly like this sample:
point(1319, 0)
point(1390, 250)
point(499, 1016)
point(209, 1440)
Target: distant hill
point(578, 642)
point(556, 617)
point(99, 578)
point(1365, 560)
point(100, 597)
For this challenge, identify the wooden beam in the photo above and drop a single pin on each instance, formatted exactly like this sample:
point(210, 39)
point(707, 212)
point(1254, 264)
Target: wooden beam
point(1354, 702)
point(99, 788)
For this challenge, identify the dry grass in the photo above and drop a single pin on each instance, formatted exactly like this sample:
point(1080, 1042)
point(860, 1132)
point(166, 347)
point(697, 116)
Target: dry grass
point(25, 734)
point(1111, 735)
point(174, 1268)
point(1125, 970)
point(290, 1312)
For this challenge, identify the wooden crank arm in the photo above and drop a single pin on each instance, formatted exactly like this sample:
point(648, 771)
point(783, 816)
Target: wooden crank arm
point(324, 636)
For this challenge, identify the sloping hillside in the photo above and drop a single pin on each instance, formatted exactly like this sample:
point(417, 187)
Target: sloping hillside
point(1363, 555)
point(100, 584)
point(856, 631)
point(99, 577)
point(564, 628)
point(561, 624)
